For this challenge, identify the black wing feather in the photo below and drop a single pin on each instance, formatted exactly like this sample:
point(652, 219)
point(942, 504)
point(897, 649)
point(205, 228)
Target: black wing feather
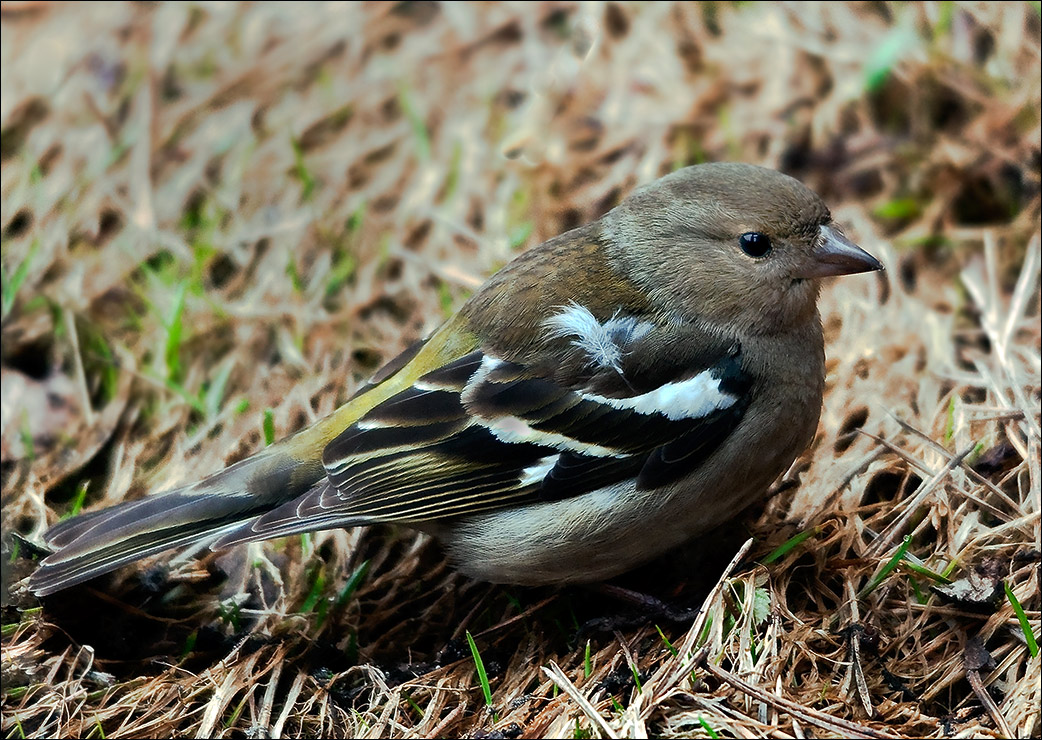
point(443, 448)
point(574, 472)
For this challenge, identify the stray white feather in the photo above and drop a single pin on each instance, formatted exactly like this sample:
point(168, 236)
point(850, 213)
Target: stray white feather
point(602, 343)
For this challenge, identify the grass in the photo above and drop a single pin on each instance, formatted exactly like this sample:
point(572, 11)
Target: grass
point(80, 497)
point(1022, 618)
point(479, 667)
point(219, 221)
point(268, 424)
point(789, 545)
point(708, 728)
point(888, 567)
point(9, 286)
point(352, 585)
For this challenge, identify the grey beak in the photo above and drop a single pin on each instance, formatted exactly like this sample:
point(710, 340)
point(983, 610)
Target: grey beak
point(837, 255)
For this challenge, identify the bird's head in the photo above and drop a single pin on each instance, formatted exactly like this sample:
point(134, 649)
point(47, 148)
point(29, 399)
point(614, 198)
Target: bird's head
point(731, 244)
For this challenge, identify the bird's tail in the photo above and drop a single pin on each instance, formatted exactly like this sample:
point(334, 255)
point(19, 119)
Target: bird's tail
point(96, 543)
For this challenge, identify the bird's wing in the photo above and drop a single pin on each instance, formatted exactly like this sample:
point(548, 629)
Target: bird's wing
point(481, 432)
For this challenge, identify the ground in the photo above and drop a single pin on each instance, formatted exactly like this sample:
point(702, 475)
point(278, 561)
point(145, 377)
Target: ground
point(219, 218)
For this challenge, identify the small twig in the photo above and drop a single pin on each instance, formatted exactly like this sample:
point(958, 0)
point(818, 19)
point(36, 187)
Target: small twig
point(556, 675)
point(856, 673)
point(264, 720)
point(287, 708)
point(77, 362)
point(993, 710)
point(856, 676)
point(131, 610)
point(462, 626)
point(687, 647)
point(223, 694)
point(926, 470)
point(835, 725)
point(518, 617)
point(449, 718)
point(975, 657)
point(858, 469)
point(631, 661)
point(649, 604)
point(942, 450)
point(897, 527)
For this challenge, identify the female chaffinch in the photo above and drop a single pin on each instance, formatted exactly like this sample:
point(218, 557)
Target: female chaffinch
point(607, 395)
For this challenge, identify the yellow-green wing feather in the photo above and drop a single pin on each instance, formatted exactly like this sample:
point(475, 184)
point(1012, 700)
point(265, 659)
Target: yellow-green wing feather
point(448, 343)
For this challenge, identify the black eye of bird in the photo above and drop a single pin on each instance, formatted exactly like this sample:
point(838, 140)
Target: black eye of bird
point(755, 244)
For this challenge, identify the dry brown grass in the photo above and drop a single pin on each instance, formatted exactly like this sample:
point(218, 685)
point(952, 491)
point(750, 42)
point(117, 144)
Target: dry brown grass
point(211, 211)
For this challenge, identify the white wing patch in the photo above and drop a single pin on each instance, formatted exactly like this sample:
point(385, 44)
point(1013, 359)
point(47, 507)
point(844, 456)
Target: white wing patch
point(512, 429)
point(687, 399)
point(602, 343)
point(534, 474)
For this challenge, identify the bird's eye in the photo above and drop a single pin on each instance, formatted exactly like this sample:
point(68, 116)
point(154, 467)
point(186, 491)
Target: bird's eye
point(755, 244)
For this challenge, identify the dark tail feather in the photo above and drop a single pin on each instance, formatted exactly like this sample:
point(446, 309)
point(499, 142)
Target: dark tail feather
point(63, 533)
point(96, 543)
point(89, 546)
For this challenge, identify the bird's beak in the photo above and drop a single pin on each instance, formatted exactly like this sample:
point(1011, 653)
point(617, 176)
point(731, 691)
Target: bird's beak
point(834, 254)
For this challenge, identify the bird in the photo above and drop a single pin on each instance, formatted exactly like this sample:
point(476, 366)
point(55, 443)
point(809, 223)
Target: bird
point(606, 396)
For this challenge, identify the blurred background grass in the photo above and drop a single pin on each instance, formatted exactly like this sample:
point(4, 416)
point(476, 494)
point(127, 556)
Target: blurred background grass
point(219, 218)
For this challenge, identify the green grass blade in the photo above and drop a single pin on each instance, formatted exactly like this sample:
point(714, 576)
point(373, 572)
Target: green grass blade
point(318, 585)
point(79, 499)
point(926, 572)
point(214, 395)
point(269, 426)
point(9, 287)
point(352, 584)
point(669, 645)
point(708, 728)
point(790, 544)
point(1025, 626)
point(175, 335)
point(892, 563)
point(479, 665)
